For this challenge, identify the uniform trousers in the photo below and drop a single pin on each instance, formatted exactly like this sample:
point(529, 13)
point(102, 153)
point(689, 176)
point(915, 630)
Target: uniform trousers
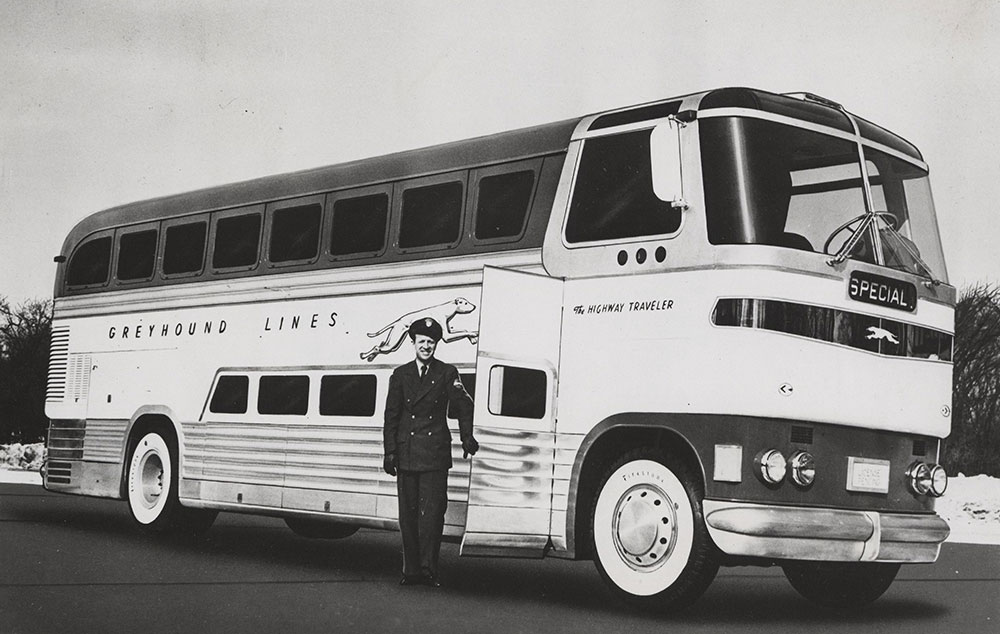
point(423, 499)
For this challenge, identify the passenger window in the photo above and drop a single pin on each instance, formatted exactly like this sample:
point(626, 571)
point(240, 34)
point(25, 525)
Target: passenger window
point(503, 204)
point(359, 225)
point(517, 392)
point(347, 395)
point(283, 395)
point(613, 196)
point(184, 251)
point(91, 263)
point(236, 241)
point(295, 233)
point(431, 215)
point(230, 395)
point(136, 255)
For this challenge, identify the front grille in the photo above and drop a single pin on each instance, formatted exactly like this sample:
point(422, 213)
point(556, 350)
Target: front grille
point(919, 447)
point(802, 435)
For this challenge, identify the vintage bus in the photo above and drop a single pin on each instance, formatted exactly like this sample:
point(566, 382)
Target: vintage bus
point(707, 331)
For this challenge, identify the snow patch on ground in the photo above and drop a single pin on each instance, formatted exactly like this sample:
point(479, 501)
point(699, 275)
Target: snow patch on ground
point(971, 505)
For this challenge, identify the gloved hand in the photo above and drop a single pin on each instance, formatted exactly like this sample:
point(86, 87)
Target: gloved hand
point(469, 447)
point(389, 464)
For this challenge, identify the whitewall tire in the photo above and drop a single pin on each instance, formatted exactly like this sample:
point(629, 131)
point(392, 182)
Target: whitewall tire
point(649, 538)
point(150, 481)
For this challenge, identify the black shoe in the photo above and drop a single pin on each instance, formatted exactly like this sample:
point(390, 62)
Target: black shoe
point(431, 580)
point(411, 580)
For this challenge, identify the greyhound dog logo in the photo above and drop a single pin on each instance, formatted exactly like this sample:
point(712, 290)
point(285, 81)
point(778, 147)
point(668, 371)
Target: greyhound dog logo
point(881, 334)
point(395, 332)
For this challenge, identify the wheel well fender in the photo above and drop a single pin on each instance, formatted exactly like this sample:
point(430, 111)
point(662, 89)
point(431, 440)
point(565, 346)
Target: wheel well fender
point(146, 420)
point(606, 441)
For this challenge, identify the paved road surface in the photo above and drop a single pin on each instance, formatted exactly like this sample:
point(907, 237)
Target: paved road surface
point(70, 564)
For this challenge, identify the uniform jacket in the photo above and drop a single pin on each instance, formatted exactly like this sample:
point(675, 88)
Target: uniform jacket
point(416, 425)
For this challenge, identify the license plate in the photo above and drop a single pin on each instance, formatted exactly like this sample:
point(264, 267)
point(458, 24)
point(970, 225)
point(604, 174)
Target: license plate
point(867, 475)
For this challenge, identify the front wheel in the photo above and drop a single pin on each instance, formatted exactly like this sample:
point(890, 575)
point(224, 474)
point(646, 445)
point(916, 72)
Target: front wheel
point(649, 536)
point(152, 490)
point(840, 584)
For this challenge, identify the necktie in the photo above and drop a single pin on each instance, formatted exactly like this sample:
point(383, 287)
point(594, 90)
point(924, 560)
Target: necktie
point(423, 372)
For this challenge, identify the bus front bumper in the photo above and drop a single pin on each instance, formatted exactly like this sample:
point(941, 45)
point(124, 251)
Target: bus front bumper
point(785, 532)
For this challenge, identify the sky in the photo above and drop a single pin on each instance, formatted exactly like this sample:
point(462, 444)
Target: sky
point(104, 103)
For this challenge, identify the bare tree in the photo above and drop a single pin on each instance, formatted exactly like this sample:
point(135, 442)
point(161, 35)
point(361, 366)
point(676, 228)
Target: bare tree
point(975, 434)
point(25, 331)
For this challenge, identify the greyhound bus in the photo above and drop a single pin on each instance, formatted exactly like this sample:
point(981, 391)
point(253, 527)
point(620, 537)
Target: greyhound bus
point(706, 331)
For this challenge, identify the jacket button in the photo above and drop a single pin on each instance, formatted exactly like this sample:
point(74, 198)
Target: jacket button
point(411, 433)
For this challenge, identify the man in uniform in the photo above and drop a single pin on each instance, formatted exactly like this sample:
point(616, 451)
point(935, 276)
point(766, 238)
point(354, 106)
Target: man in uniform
point(418, 448)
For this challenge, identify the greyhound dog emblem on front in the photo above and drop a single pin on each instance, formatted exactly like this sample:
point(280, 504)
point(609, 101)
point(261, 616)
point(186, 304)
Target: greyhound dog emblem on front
point(881, 334)
point(395, 332)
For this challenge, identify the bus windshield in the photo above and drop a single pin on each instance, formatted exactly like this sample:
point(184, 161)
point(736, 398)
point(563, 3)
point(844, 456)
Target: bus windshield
point(779, 185)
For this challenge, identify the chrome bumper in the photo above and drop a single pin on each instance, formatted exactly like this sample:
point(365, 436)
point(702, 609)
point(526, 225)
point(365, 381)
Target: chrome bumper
point(785, 532)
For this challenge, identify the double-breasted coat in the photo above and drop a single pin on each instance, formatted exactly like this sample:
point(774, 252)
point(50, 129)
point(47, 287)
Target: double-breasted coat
point(416, 424)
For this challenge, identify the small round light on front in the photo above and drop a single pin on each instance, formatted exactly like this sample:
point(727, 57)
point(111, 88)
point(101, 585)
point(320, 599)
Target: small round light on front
point(803, 468)
point(918, 475)
point(939, 481)
point(771, 466)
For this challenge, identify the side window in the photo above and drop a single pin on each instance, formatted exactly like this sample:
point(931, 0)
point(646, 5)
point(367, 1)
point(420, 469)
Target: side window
point(517, 392)
point(347, 395)
point(283, 395)
point(91, 263)
point(136, 255)
point(502, 204)
point(359, 225)
point(230, 395)
point(236, 241)
point(613, 196)
point(295, 233)
point(184, 251)
point(431, 215)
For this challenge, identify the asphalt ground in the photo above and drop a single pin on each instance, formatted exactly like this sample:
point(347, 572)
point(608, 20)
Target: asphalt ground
point(72, 564)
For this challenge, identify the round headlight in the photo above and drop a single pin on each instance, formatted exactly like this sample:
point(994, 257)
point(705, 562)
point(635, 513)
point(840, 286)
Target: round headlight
point(803, 468)
point(919, 477)
point(771, 465)
point(939, 480)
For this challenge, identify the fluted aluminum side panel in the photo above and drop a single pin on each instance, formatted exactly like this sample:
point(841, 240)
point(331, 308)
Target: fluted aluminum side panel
point(243, 452)
point(567, 448)
point(55, 389)
point(104, 440)
point(512, 479)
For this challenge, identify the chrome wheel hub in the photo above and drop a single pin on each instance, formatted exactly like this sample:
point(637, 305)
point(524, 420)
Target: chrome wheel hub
point(645, 527)
point(151, 480)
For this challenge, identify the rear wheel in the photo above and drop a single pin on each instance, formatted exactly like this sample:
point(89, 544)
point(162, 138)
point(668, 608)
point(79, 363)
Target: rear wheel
point(649, 537)
point(319, 529)
point(152, 490)
point(835, 584)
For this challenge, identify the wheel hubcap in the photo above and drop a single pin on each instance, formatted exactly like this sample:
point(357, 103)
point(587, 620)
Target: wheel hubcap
point(151, 480)
point(645, 528)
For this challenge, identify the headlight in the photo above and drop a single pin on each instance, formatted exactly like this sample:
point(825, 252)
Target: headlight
point(771, 466)
point(803, 468)
point(939, 480)
point(919, 477)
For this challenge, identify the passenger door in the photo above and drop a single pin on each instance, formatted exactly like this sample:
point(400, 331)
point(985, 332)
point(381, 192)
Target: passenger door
point(511, 480)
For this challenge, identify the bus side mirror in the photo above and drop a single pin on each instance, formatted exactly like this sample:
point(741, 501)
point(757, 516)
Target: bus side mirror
point(665, 162)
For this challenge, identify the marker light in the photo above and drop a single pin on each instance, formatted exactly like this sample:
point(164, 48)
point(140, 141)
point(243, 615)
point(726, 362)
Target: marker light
point(918, 475)
point(803, 468)
point(771, 466)
point(939, 481)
